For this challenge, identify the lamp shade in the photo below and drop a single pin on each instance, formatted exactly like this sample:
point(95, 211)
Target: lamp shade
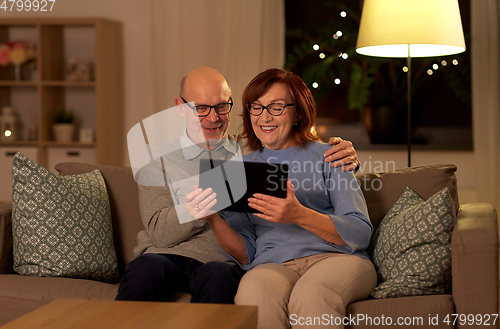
point(427, 28)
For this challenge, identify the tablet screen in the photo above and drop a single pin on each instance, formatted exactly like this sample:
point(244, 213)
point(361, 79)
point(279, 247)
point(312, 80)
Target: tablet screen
point(235, 181)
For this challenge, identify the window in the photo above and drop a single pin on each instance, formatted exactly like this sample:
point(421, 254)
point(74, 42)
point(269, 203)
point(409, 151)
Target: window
point(320, 46)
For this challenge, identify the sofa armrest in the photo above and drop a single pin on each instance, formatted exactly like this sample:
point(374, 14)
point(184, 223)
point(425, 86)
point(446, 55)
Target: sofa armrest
point(474, 246)
point(6, 262)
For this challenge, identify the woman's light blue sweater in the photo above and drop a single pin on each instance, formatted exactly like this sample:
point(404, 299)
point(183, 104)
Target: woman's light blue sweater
point(319, 187)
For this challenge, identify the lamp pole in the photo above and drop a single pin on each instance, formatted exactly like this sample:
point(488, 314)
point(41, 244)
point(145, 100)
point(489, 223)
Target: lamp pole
point(408, 120)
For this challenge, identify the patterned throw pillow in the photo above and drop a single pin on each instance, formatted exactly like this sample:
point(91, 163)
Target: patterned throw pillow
point(61, 225)
point(411, 249)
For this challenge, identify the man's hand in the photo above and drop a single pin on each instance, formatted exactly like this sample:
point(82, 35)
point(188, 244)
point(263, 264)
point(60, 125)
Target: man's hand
point(342, 153)
point(199, 202)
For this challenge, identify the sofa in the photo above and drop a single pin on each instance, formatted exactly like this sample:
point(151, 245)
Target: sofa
point(474, 253)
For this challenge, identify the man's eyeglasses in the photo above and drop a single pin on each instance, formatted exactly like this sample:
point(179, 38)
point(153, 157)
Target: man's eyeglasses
point(204, 110)
point(274, 109)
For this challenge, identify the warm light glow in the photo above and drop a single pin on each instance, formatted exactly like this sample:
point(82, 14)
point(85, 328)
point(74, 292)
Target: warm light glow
point(315, 85)
point(345, 56)
point(316, 46)
point(392, 28)
point(322, 55)
point(430, 72)
point(416, 50)
point(337, 81)
point(339, 33)
point(454, 62)
point(444, 63)
point(435, 66)
point(343, 14)
point(405, 69)
point(335, 36)
point(7, 133)
point(321, 129)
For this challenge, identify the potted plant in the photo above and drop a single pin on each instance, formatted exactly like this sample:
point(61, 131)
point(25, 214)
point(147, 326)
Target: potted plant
point(64, 125)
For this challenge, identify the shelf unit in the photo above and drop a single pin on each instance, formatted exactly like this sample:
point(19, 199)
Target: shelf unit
point(98, 104)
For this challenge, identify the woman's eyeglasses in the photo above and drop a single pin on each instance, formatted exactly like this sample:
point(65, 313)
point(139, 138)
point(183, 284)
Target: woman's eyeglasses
point(273, 109)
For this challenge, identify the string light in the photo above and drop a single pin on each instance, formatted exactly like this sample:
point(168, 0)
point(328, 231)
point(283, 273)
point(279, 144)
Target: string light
point(435, 66)
point(343, 14)
point(337, 81)
point(454, 62)
point(8, 132)
point(444, 63)
point(345, 56)
point(339, 33)
point(315, 85)
point(316, 46)
point(322, 56)
point(430, 72)
point(405, 69)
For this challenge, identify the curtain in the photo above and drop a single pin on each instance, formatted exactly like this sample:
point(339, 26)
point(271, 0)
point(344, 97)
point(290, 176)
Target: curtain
point(485, 20)
point(238, 38)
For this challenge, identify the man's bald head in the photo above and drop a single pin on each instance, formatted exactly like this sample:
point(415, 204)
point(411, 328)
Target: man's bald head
point(202, 78)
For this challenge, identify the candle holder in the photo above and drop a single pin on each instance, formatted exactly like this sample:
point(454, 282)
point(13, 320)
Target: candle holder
point(8, 127)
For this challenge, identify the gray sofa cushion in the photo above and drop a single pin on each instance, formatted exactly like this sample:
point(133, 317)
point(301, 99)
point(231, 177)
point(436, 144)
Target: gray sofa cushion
point(411, 249)
point(123, 200)
point(382, 190)
point(61, 225)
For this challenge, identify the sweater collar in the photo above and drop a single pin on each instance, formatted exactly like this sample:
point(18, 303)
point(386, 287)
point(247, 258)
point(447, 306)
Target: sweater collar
point(190, 150)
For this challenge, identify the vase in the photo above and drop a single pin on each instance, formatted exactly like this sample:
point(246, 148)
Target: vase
point(63, 132)
point(17, 72)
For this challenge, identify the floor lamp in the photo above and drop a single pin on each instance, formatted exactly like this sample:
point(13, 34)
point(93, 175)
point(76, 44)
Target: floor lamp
point(410, 28)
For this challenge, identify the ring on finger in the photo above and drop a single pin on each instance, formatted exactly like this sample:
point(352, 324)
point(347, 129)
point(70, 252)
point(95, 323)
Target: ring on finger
point(197, 208)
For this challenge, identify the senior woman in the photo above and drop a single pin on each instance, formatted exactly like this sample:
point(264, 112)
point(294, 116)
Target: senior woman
point(305, 253)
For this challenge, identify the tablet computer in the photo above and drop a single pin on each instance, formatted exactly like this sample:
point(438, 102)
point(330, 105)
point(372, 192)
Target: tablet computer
point(236, 180)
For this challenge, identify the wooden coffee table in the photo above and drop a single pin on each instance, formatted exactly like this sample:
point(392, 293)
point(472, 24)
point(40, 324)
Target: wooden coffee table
point(96, 314)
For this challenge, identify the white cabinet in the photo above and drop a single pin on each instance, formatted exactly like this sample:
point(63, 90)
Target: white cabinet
point(58, 155)
point(6, 157)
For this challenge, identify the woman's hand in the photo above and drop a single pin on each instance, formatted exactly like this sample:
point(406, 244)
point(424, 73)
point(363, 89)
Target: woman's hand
point(199, 202)
point(290, 210)
point(278, 210)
